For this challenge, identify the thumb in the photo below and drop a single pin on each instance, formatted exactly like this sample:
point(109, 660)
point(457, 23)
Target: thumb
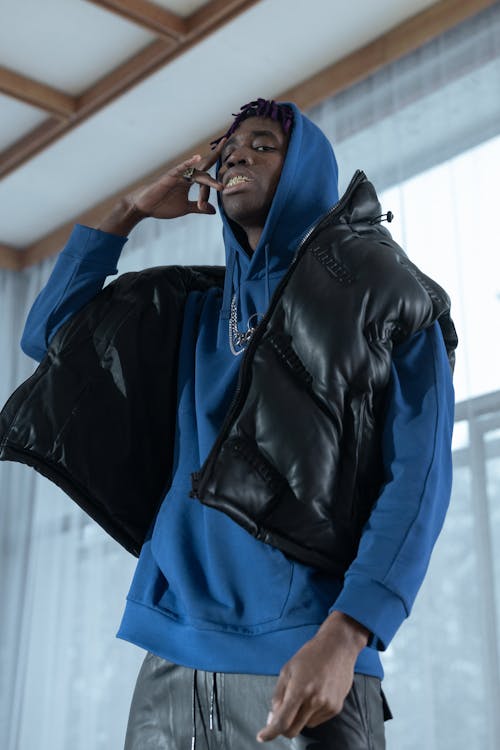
point(205, 208)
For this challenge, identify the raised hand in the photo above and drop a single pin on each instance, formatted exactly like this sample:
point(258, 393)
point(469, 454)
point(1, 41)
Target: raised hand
point(168, 196)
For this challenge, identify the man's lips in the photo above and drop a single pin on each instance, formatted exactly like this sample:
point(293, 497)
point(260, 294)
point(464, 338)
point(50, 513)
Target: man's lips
point(238, 176)
point(236, 183)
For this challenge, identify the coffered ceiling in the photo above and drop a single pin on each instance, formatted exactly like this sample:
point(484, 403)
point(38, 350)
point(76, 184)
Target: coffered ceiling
point(97, 94)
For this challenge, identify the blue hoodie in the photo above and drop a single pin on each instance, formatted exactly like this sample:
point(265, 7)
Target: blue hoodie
point(206, 594)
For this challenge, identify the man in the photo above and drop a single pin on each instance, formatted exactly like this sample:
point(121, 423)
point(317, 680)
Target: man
point(324, 451)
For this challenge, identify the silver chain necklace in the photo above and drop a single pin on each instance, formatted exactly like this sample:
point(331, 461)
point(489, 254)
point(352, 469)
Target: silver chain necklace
point(238, 340)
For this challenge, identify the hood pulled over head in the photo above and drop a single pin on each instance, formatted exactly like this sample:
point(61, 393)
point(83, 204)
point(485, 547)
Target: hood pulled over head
point(307, 188)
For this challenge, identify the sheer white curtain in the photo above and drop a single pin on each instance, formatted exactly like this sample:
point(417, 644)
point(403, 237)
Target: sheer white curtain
point(65, 681)
point(426, 131)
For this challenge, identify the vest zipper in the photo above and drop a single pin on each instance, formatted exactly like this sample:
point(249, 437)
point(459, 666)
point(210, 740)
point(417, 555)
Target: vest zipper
point(199, 479)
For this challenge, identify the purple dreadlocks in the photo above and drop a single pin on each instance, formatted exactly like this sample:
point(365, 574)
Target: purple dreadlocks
point(281, 113)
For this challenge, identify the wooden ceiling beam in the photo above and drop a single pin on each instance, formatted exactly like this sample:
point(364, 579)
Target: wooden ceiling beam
point(37, 94)
point(149, 15)
point(104, 91)
point(146, 62)
point(399, 41)
point(12, 259)
point(215, 13)
point(30, 144)
point(125, 76)
point(163, 22)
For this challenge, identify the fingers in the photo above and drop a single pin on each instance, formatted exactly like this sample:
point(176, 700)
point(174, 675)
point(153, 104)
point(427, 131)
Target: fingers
point(312, 713)
point(282, 716)
point(291, 718)
point(203, 178)
point(206, 163)
point(179, 169)
point(202, 164)
point(202, 202)
point(318, 718)
point(205, 181)
point(210, 159)
point(194, 208)
point(302, 717)
point(198, 175)
point(295, 706)
point(279, 691)
point(280, 723)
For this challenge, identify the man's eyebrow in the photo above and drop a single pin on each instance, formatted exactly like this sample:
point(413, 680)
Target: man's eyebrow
point(253, 133)
point(264, 132)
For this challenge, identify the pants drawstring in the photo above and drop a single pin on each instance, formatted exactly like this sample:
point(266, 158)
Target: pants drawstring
point(193, 709)
point(214, 702)
point(214, 708)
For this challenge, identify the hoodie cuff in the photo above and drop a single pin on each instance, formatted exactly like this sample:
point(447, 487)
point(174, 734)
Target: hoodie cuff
point(373, 605)
point(94, 247)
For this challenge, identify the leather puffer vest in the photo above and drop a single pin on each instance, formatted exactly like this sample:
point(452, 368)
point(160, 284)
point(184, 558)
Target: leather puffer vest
point(298, 459)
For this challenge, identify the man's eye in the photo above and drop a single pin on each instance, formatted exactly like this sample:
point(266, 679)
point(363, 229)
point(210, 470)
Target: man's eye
point(264, 148)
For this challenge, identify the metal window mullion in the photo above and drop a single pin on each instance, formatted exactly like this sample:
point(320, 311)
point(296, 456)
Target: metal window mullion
point(486, 582)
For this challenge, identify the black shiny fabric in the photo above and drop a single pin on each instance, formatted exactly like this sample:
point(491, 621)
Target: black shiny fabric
point(161, 714)
point(297, 462)
point(98, 415)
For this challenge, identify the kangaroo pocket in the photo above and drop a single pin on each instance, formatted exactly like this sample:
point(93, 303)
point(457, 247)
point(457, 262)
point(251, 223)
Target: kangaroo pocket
point(217, 575)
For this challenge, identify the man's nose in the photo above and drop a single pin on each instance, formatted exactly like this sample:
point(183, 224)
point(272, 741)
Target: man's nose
point(241, 155)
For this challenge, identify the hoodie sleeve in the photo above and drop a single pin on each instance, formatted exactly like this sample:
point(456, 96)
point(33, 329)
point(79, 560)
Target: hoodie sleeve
point(382, 582)
point(78, 275)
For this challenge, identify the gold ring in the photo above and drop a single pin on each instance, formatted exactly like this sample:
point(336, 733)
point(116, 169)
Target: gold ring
point(188, 174)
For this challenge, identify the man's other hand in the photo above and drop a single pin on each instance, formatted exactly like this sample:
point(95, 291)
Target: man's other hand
point(313, 685)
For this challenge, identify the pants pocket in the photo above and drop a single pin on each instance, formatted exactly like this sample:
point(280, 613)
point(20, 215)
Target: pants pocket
point(359, 726)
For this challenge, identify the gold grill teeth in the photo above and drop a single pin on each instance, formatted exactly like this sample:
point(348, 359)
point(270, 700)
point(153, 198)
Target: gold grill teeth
point(235, 180)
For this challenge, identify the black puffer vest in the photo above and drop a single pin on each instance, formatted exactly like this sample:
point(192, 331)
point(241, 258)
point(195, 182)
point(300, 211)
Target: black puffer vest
point(297, 462)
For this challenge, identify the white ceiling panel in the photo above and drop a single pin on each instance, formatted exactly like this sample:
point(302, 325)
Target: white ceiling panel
point(68, 44)
point(16, 120)
point(254, 55)
point(181, 7)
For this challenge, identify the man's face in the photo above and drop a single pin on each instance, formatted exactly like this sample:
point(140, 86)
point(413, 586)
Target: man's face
point(251, 163)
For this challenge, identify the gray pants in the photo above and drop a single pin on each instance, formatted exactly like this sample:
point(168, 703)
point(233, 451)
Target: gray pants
point(176, 708)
